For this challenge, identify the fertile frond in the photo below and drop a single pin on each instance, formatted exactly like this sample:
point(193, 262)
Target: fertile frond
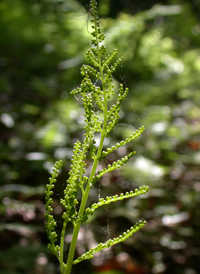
point(50, 222)
point(101, 246)
point(90, 210)
point(116, 64)
point(109, 59)
point(114, 165)
point(134, 135)
point(113, 112)
point(88, 70)
point(92, 57)
point(98, 35)
point(122, 196)
point(96, 88)
point(73, 183)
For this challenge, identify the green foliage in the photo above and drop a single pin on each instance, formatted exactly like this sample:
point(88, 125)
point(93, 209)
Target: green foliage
point(99, 119)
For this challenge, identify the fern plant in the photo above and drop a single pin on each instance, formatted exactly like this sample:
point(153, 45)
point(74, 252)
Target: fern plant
point(100, 118)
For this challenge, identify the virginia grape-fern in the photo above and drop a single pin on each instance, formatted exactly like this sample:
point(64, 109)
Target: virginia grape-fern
point(100, 118)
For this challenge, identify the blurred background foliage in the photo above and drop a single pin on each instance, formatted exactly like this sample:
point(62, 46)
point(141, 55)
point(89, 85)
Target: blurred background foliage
point(42, 47)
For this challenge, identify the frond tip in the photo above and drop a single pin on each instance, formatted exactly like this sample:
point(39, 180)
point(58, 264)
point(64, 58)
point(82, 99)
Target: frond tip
point(90, 254)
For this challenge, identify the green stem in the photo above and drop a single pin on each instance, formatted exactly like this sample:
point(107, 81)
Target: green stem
point(82, 208)
point(83, 204)
point(92, 174)
point(62, 240)
point(78, 224)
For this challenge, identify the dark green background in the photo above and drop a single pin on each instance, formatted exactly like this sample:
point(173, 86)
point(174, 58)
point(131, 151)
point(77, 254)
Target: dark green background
point(42, 47)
